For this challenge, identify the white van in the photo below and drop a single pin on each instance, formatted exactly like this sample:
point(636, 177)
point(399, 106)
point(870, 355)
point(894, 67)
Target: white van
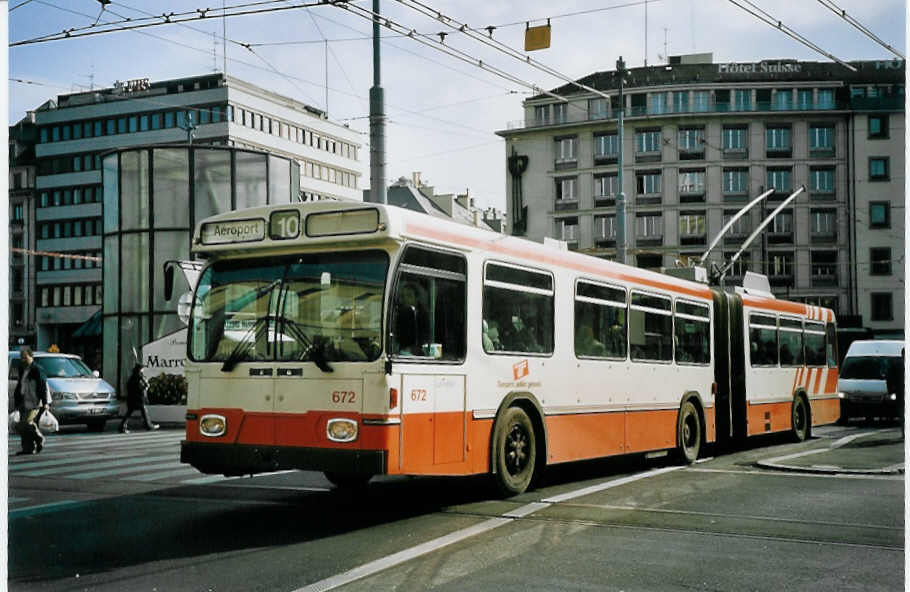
point(863, 381)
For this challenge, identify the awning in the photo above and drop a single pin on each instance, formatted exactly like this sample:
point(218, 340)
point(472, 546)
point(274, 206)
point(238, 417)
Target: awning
point(91, 327)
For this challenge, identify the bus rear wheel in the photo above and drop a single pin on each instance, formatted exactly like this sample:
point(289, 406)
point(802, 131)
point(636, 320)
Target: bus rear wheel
point(688, 435)
point(800, 420)
point(348, 480)
point(516, 451)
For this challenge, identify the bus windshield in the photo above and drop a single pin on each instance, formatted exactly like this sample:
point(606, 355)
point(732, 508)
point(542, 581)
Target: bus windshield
point(324, 307)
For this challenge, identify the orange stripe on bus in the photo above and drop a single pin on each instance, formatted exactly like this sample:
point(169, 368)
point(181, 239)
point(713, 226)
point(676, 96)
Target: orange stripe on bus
point(818, 380)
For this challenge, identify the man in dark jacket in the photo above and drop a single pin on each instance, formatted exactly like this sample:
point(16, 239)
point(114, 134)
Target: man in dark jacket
point(31, 399)
point(136, 398)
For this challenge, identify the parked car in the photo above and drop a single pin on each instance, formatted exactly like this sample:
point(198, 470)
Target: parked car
point(78, 395)
point(863, 381)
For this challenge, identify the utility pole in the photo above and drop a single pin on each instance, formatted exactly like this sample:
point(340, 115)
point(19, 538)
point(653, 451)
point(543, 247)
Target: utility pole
point(377, 121)
point(621, 196)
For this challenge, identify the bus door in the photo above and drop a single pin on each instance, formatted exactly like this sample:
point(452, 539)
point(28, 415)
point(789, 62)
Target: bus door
point(432, 419)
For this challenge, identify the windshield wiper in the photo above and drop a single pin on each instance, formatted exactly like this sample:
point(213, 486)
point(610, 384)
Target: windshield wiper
point(315, 347)
point(244, 344)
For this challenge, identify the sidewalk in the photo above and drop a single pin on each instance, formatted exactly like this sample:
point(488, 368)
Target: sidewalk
point(879, 452)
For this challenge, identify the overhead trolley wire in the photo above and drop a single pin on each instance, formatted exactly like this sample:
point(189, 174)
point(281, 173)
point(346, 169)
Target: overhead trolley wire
point(858, 25)
point(779, 25)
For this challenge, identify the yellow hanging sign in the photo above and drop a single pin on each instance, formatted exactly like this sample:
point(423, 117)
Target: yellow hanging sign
point(537, 37)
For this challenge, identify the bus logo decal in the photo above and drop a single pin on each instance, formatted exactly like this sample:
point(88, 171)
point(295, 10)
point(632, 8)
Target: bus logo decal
point(520, 370)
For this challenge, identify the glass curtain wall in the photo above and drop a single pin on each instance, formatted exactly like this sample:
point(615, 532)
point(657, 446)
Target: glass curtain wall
point(153, 197)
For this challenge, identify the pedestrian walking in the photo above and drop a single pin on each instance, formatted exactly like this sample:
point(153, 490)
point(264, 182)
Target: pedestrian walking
point(136, 399)
point(31, 399)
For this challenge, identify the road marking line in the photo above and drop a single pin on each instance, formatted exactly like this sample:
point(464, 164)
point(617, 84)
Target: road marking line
point(374, 567)
point(125, 470)
point(204, 480)
point(94, 465)
point(872, 476)
point(607, 485)
point(162, 475)
point(777, 459)
point(82, 459)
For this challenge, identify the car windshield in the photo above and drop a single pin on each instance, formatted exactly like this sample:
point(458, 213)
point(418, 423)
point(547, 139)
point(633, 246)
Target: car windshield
point(324, 307)
point(867, 367)
point(61, 367)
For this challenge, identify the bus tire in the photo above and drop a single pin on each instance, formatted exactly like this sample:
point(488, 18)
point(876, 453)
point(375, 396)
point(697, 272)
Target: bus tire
point(688, 433)
point(799, 419)
point(348, 480)
point(516, 451)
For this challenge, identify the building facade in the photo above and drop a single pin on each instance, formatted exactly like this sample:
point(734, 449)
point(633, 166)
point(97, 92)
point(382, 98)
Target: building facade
point(77, 129)
point(22, 171)
point(700, 140)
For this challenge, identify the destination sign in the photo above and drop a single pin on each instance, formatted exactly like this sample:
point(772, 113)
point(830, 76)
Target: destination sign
point(233, 231)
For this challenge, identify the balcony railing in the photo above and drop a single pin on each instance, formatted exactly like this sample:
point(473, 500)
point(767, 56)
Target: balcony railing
point(582, 115)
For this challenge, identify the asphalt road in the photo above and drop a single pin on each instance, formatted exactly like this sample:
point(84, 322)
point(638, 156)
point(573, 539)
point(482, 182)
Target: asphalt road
point(111, 512)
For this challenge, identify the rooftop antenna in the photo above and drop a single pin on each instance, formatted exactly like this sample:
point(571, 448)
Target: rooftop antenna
point(646, 33)
point(224, 37)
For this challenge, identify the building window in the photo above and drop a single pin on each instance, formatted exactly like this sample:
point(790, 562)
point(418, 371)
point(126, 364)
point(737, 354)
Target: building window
point(735, 138)
point(880, 214)
point(780, 180)
point(821, 182)
point(821, 140)
point(606, 147)
point(658, 103)
point(742, 99)
point(692, 228)
point(880, 261)
point(681, 101)
point(878, 127)
point(560, 113)
point(566, 149)
point(783, 100)
point(823, 223)
point(882, 309)
point(782, 223)
point(742, 226)
point(597, 108)
point(647, 141)
point(691, 143)
point(825, 99)
point(701, 101)
point(878, 168)
point(565, 189)
point(648, 261)
point(780, 267)
point(567, 229)
point(804, 99)
point(604, 228)
point(541, 114)
point(691, 185)
point(777, 141)
point(649, 227)
point(648, 183)
point(735, 181)
point(606, 185)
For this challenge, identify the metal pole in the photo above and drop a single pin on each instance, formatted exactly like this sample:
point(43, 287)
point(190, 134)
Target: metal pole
point(326, 52)
point(377, 122)
point(621, 196)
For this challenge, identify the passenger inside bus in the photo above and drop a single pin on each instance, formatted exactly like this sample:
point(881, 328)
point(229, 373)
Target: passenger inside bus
point(408, 317)
point(491, 340)
point(586, 345)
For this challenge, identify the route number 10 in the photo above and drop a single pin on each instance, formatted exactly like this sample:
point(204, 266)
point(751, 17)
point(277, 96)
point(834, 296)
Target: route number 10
point(284, 225)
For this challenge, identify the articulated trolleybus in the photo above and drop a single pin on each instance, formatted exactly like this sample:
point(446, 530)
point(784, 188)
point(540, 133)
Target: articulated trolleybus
point(361, 339)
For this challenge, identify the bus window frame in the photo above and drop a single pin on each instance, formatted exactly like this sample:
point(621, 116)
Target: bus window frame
point(426, 272)
point(823, 332)
point(647, 309)
point(688, 316)
point(610, 303)
point(518, 288)
point(801, 331)
point(749, 326)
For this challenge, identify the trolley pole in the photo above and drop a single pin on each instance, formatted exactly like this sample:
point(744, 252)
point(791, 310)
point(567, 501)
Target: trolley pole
point(377, 121)
point(621, 196)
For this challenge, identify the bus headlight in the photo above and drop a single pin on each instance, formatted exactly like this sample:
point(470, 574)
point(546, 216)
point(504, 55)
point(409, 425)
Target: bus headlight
point(212, 425)
point(341, 430)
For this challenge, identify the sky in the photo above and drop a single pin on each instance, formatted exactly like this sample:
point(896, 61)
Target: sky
point(442, 112)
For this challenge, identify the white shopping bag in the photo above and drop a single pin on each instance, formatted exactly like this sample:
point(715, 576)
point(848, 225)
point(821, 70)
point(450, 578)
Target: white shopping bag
point(48, 422)
point(13, 421)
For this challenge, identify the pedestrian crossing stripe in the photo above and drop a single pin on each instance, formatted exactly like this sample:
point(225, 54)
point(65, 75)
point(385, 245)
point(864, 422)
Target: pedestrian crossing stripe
point(97, 465)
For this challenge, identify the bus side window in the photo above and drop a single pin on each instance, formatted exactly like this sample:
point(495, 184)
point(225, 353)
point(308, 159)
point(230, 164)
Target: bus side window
point(692, 333)
point(600, 321)
point(518, 304)
point(763, 340)
point(831, 345)
point(428, 306)
point(650, 328)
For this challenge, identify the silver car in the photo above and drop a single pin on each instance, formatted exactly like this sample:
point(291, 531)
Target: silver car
point(78, 395)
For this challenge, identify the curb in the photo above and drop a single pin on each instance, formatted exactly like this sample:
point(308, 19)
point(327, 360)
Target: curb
point(830, 470)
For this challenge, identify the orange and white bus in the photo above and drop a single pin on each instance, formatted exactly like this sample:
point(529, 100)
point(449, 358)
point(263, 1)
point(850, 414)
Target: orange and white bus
point(361, 339)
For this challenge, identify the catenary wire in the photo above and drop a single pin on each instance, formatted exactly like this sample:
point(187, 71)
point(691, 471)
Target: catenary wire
point(858, 25)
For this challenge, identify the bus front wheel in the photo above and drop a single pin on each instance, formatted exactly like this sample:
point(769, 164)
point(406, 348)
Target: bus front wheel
point(516, 451)
point(688, 433)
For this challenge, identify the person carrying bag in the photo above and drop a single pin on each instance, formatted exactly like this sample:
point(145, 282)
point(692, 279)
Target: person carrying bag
point(31, 399)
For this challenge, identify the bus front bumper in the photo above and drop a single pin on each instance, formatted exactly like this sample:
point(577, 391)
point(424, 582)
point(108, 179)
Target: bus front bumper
point(248, 459)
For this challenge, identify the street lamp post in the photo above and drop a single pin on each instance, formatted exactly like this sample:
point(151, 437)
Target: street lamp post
point(621, 196)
